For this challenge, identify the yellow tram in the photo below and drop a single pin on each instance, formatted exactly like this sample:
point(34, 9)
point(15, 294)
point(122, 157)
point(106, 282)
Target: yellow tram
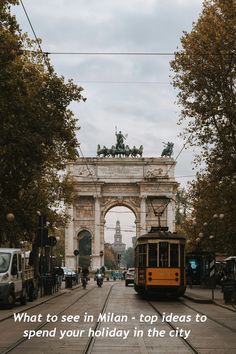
point(160, 263)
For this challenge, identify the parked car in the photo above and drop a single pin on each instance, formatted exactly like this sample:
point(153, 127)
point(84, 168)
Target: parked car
point(69, 272)
point(129, 277)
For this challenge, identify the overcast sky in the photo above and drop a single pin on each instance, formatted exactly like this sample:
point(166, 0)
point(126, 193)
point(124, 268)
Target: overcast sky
point(132, 93)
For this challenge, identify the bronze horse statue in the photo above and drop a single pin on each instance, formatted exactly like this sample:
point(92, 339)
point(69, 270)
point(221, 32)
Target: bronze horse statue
point(168, 149)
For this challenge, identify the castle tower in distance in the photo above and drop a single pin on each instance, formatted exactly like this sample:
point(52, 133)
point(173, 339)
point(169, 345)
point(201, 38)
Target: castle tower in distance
point(118, 246)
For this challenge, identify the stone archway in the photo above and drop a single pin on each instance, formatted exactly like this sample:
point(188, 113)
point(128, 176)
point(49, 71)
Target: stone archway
point(145, 185)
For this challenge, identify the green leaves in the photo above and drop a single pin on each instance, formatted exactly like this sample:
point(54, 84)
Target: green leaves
point(205, 74)
point(37, 129)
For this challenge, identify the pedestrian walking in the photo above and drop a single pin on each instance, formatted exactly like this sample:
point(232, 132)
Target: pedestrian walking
point(189, 275)
point(60, 274)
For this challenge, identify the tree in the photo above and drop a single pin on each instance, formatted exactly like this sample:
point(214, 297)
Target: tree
point(37, 130)
point(110, 257)
point(129, 257)
point(205, 75)
point(182, 205)
point(208, 198)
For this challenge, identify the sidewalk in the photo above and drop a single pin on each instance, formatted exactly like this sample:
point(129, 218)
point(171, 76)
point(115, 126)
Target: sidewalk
point(206, 296)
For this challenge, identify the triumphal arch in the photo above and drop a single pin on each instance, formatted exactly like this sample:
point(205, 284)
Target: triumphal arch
point(119, 177)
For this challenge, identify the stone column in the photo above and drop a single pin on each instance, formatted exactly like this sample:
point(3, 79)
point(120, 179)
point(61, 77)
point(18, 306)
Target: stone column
point(97, 234)
point(143, 226)
point(69, 239)
point(171, 216)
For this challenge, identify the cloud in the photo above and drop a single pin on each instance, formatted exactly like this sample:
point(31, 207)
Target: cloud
point(118, 88)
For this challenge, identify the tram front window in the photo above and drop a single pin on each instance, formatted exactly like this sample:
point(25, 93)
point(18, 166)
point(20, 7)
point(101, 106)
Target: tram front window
point(163, 254)
point(152, 255)
point(174, 255)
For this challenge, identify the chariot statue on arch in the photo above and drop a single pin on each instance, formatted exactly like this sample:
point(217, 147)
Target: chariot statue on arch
point(120, 149)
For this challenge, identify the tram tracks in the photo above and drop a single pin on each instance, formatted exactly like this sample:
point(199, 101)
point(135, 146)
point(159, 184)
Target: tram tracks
point(186, 342)
point(90, 344)
point(21, 340)
point(209, 317)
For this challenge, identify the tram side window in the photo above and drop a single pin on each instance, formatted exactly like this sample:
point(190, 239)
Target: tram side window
point(152, 255)
point(142, 255)
point(163, 254)
point(174, 255)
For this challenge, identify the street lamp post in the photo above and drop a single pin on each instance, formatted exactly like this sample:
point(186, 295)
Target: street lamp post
point(10, 218)
point(76, 254)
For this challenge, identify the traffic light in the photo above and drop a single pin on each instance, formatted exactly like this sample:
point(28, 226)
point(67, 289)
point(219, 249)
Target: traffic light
point(51, 241)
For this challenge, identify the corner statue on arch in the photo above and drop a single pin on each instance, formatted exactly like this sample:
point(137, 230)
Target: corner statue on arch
point(168, 149)
point(120, 149)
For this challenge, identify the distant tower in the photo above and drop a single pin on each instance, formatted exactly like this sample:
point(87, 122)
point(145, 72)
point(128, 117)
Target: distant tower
point(118, 236)
point(118, 246)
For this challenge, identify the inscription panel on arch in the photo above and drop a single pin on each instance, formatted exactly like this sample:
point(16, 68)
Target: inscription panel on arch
point(120, 172)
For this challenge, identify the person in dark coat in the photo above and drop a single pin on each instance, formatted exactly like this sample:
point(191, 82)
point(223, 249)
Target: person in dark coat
point(189, 275)
point(60, 274)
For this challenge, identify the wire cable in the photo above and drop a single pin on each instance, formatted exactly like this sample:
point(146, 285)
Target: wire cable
point(44, 54)
point(110, 53)
point(124, 82)
point(126, 53)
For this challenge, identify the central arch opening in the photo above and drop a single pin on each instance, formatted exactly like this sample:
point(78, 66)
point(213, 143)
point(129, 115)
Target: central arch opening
point(119, 237)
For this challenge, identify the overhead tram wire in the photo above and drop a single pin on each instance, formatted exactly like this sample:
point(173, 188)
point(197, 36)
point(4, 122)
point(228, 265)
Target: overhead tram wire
point(110, 53)
point(124, 53)
point(44, 54)
point(124, 82)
